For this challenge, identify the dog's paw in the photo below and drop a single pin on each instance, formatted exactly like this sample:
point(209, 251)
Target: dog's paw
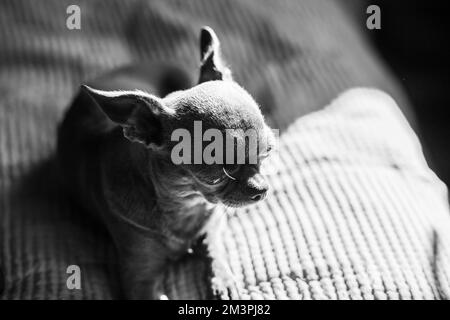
point(224, 283)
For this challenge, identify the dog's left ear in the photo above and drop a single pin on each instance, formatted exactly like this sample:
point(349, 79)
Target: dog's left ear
point(138, 113)
point(212, 66)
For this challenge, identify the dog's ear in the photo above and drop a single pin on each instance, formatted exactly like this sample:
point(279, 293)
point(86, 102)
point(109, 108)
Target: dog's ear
point(212, 66)
point(138, 113)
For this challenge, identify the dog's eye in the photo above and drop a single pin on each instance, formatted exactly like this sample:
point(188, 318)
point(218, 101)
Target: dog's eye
point(216, 181)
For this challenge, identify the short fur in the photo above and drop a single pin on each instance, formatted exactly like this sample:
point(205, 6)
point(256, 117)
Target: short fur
point(114, 154)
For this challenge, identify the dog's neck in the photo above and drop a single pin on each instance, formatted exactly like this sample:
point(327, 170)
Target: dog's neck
point(183, 209)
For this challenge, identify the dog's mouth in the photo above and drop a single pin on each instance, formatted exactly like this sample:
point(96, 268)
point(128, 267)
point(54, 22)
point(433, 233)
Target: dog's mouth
point(236, 203)
point(226, 201)
point(227, 196)
point(223, 192)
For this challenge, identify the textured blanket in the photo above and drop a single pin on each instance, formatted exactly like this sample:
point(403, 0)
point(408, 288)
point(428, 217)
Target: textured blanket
point(354, 213)
point(334, 227)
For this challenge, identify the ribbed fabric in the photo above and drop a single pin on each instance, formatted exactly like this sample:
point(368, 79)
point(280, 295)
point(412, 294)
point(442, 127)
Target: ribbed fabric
point(293, 57)
point(354, 213)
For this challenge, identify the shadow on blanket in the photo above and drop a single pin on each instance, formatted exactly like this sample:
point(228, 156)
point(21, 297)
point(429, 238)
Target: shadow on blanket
point(53, 223)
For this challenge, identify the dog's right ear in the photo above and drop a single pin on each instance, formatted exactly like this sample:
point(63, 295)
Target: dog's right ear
point(212, 66)
point(137, 112)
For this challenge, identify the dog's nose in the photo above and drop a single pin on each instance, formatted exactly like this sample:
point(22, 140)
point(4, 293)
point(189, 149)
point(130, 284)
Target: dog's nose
point(257, 188)
point(259, 196)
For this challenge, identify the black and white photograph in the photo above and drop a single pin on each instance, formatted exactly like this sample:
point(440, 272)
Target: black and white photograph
point(224, 150)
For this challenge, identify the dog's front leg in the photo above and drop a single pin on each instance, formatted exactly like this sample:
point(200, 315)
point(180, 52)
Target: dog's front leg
point(141, 261)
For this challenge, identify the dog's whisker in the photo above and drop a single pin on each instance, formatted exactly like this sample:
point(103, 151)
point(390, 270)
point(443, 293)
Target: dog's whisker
point(227, 174)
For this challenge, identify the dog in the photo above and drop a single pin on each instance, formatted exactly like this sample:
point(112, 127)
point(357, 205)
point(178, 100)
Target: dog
point(115, 155)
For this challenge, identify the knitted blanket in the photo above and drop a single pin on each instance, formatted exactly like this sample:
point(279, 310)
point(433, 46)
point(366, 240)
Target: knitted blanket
point(354, 213)
point(329, 229)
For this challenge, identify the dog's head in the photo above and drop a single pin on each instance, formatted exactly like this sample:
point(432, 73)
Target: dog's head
point(214, 131)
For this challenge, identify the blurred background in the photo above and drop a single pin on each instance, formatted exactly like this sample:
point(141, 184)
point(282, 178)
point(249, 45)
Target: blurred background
point(413, 41)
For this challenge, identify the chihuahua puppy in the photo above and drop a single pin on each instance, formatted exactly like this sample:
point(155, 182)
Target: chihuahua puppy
point(115, 145)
